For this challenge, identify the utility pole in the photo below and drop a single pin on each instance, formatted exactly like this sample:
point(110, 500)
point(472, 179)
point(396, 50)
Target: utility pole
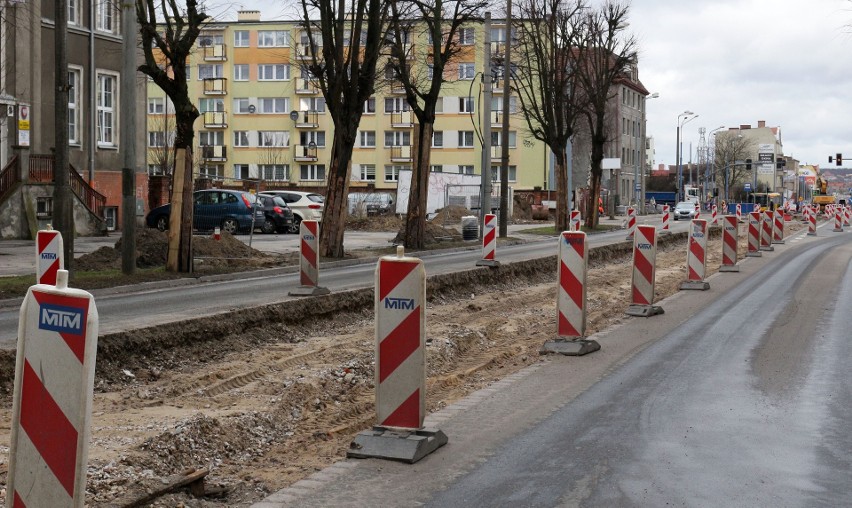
point(63, 209)
point(485, 172)
point(128, 138)
point(504, 143)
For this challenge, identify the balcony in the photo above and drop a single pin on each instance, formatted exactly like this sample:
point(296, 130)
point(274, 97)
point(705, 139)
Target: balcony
point(215, 53)
point(402, 120)
point(306, 87)
point(307, 120)
point(396, 87)
point(497, 152)
point(401, 154)
point(215, 86)
point(303, 51)
point(305, 153)
point(214, 153)
point(215, 120)
point(497, 118)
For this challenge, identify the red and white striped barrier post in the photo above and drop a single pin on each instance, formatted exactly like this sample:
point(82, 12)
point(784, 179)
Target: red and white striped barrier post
point(571, 298)
point(489, 242)
point(309, 261)
point(739, 212)
point(217, 234)
point(697, 210)
point(400, 373)
point(696, 257)
point(846, 215)
point(730, 239)
point(754, 234)
point(838, 222)
point(778, 227)
point(644, 271)
point(713, 217)
point(812, 219)
point(575, 220)
point(667, 218)
point(49, 256)
point(806, 214)
point(52, 401)
point(766, 232)
point(631, 222)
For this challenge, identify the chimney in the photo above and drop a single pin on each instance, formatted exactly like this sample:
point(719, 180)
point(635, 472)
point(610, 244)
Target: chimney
point(761, 124)
point(745, 127)
point(248, 16)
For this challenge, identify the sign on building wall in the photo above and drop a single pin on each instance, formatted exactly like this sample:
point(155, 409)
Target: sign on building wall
point(23, 125)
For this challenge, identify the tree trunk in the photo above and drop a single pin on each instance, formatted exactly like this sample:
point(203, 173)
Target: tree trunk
point(415, 220)
point(595, 187)
point(184, 118)
point(560, 167)
point(336, 199)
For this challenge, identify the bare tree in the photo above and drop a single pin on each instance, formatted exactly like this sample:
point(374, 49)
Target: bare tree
point(344, 44)
point(545, 81)
point(166, 44)
point(605, 54)
point(729, 154)
point(421, 71)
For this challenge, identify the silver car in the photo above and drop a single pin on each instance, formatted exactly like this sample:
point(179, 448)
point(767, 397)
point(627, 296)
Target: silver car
point(684, 210)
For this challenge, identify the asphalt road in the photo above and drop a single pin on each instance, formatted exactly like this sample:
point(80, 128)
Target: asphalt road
point(146, 307)
point(737, 396)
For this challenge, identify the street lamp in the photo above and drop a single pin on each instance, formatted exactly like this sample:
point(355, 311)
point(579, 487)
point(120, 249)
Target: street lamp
point(707, 167)
point(640, 163)
point(681, 119)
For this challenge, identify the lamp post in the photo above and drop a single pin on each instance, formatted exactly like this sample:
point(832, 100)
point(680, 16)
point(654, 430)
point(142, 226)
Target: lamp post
point(707, 168)
point(640, 163)
point(681, 119)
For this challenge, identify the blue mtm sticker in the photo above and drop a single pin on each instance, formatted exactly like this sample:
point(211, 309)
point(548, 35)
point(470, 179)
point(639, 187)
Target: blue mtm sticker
point(58, 318)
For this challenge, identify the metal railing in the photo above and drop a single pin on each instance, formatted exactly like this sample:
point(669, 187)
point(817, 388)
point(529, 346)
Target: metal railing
point(9, 177)
point(42, 170)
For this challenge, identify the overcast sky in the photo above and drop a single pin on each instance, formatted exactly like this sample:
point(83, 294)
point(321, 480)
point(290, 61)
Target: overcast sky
point(788, 62)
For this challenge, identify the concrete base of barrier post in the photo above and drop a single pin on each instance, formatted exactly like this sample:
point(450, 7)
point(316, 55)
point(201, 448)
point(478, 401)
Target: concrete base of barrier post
point(767, 248)
point(635, 309)
point(568, 347)
point(664, 232)
point(754, 254)
point(699, 285)
point(778, 242)
point(309, 291)
point(729, 268)
point(838, 230)
point(395, 444)
point(491, 263)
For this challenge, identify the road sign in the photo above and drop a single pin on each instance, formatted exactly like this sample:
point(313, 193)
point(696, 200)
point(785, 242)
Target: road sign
point(747, 187)
point(638, 186)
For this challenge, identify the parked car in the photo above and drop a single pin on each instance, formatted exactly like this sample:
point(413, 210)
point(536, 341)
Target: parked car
point(234, 211)
point(684, 210)
point(279, 216)
point(305, 205)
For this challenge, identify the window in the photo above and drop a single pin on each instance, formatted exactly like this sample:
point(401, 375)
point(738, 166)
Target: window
point(212, 170)
point(156, 139)
point(241, 138)
point(106, 16)
point(74, 12)
point(315, 137)
point(271, 105)
point(430, 71)
point(392, 172)
point(312, 104)
point(241, 39)
point(367, 172)
point(495, 173)
point(370, 105)
point(156, 105)
point(466, 105)
point(465, 139)
point(272, 39)
point(107, 100)
point(206, 71)
point(241, 72)
point(211, 138)
point(496, 137)
point(397, 138)
point(437, 168)
point(466, 170)
point(273, 72)
point(308, 172)
point(273, 138)
point(497, 104)
point(44, 207)
point(156, 169)
point(274, 171)
point(241, 106)
point(466, 36)
point(368, 139)
point(437, 139)
point(209, 104)
point(209, 39)
point(395, 104)
point(241, 171)
point(466, 71)
point(74, 106)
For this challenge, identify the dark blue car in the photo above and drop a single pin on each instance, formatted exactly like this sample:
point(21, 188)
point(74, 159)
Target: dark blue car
point(233, 211)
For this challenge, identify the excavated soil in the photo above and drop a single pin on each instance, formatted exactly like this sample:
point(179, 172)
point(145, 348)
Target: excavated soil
point(266, 398)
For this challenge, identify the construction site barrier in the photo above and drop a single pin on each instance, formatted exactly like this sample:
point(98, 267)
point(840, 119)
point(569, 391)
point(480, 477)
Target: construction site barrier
point(489, 242)
point(696, 257)
point(644, 272)
point(666, 220)
point(766, 231)
point(778, 227)
point(730, 239)
point(309, 261)
point(49, 256)
point(631, 222)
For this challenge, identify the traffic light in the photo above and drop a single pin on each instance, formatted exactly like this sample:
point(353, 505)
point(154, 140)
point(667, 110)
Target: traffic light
point(748, 164)
point(839, 159)
point(780, 163)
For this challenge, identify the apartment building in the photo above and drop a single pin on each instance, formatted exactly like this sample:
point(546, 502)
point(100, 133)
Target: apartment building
point(27, 123)
point(263, 118)
point(765, 148)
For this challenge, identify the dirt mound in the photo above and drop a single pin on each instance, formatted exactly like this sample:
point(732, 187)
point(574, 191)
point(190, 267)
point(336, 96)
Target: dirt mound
point(376, 223)
point(226, 247)
point(522, 209)
point(451, 214)
point(434, 234)
point(103, 258)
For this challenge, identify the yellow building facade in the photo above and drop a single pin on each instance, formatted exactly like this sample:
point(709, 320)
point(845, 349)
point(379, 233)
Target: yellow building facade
point(263, 119)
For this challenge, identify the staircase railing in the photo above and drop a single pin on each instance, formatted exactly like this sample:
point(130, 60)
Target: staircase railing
point(9, 177)
point(42, 170)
